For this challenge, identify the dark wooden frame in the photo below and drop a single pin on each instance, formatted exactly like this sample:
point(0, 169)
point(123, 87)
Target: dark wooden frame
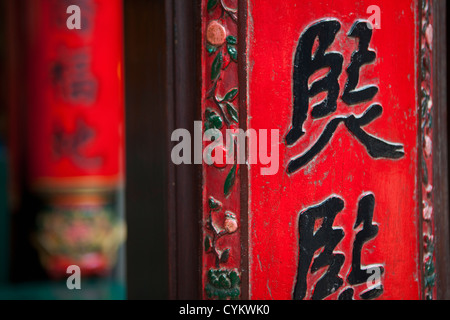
point(146, 161)
point(163, 201)
point(184, 181)
point(440, 156)
point(242, 76)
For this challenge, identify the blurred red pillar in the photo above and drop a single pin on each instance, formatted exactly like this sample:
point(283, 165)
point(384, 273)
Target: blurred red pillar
point(74, 125)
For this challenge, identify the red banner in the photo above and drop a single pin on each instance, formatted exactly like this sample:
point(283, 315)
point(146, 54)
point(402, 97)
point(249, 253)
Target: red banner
point(75, 131)
point(340, 219)
point(76, 97)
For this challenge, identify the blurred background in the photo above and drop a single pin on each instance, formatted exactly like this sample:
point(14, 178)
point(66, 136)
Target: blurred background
point(67, 97)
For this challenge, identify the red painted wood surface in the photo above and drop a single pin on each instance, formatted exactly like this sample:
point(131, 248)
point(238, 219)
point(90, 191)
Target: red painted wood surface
point(344, 168)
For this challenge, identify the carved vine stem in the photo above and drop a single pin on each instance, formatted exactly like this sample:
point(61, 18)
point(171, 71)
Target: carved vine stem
point(231, 12)
point(212, 95)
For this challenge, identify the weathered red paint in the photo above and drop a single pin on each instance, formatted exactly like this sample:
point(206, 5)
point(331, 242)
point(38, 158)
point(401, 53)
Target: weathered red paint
point(343, 168)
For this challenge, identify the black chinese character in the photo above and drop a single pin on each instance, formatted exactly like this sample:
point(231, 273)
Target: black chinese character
point(360, 57)
point(70, 145)
point(375, 147)
point(359, 275)
point(325, 237)
point(73, 79)
point(305, 65)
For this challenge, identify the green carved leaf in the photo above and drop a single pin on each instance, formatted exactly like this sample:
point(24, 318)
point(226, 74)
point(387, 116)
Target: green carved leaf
point(234, 293)
point(224, 282)
point(224, 257)
point(429, 267)
point(430, 281)
point(213, 278)
point(230, 180)
point(424, 172)
point(211, 275)
point(232, 51)
point(212, 4)
point(234, 278)
point(222, 294)
point(212, 120)
point(214, 204)
point(231, 95)
point(211, 49)
point(233, 112)
point(216, 66)
point(207, 244)
point(231, 40)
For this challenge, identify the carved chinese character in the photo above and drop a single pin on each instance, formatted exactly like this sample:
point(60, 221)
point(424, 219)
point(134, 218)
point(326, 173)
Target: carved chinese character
point(310, 241)
point(306, 64)
point(326, 237)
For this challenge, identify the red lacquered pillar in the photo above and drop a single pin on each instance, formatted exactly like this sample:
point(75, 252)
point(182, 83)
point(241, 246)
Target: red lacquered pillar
point(75, 132)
